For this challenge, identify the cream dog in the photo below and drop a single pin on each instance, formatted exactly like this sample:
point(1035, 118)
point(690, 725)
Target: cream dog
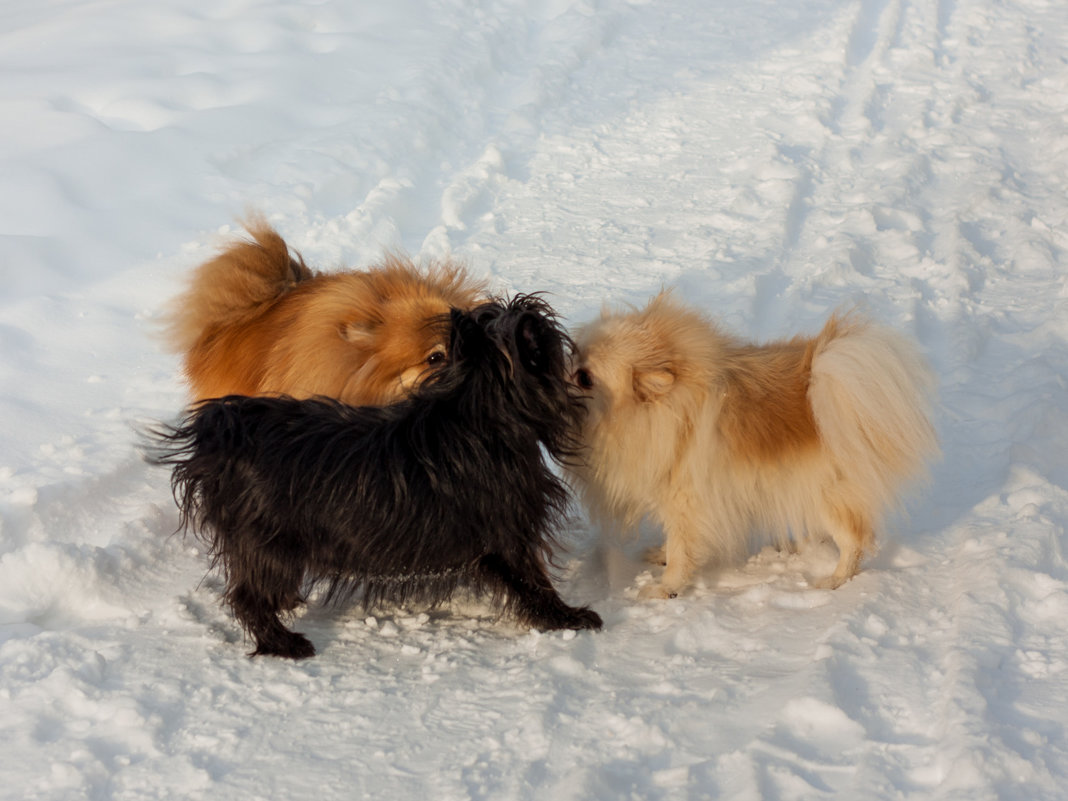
point(717, 439)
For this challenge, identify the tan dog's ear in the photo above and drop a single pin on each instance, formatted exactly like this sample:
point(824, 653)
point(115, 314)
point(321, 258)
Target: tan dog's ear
point(652, 382)
point(360, 334)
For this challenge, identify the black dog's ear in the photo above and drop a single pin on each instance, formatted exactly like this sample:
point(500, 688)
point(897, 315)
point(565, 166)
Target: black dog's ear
point(466, 336)
point(455, 315)
point(534, 350)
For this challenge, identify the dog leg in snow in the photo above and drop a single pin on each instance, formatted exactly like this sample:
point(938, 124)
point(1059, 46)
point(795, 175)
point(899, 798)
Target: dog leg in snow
point(260, 619)
point(679, 564)
point(534, 600)
point(850, 533)
point(263, 584)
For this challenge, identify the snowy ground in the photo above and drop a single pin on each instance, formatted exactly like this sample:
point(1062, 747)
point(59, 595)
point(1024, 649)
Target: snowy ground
point(773, 160)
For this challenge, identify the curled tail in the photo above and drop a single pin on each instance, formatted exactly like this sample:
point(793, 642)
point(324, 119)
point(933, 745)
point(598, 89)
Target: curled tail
point(227, 289)
point(871, 396)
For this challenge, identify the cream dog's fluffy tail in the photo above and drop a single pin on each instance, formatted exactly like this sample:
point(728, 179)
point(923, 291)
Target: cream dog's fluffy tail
point(871, 395)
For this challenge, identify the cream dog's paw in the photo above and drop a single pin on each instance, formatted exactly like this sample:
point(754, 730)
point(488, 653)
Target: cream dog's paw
point(655, 592)
point(831, 582)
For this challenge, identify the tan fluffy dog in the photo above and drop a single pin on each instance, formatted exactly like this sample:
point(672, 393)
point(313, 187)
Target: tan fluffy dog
point(257, 321)
point(716, 439)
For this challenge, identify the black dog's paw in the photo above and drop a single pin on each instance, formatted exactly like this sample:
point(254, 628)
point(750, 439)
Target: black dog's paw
point(577, 618)
point(586, 618)
point(292, 645)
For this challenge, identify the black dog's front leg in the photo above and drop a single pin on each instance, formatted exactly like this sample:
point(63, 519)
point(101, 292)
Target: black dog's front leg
point(532, 596)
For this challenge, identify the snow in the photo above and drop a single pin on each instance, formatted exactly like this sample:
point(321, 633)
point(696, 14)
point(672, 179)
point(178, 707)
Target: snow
point(771, 160)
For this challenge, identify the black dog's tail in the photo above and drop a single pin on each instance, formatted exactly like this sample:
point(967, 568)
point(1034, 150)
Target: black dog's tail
point(194, 449)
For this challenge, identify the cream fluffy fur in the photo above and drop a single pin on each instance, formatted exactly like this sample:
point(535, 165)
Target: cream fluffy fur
point(716, 439)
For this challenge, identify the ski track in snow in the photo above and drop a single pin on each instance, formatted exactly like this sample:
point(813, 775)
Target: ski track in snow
point(770, 161)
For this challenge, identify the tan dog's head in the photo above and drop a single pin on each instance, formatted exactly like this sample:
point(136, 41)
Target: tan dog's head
point(369, 337)
point(400, 332)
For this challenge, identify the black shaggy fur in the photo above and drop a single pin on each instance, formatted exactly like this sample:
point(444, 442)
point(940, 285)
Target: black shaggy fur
point(410, 502)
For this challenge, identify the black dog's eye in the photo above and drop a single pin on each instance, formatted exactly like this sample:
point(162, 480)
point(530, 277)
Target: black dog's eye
point(435, 358)
point(584, 378)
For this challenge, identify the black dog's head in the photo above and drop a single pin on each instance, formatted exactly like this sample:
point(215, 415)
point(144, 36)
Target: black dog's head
point(512, 358)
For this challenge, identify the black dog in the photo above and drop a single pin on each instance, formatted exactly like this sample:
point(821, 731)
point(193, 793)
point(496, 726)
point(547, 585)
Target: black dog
point(449, 488)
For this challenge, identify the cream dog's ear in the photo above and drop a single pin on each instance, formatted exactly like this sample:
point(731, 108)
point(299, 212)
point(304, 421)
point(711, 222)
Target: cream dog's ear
point(652, 382)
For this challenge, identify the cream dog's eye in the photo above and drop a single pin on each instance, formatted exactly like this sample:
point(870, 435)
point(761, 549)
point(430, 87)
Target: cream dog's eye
point(435, 358)
point(584, 378)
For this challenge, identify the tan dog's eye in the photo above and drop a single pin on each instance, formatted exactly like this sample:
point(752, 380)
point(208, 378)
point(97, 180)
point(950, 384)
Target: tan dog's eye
point(435, 358)
point(584, 378)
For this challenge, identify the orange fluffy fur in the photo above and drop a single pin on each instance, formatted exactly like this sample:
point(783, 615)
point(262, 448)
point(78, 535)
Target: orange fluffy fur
point(255, 320)
point(716, 439)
